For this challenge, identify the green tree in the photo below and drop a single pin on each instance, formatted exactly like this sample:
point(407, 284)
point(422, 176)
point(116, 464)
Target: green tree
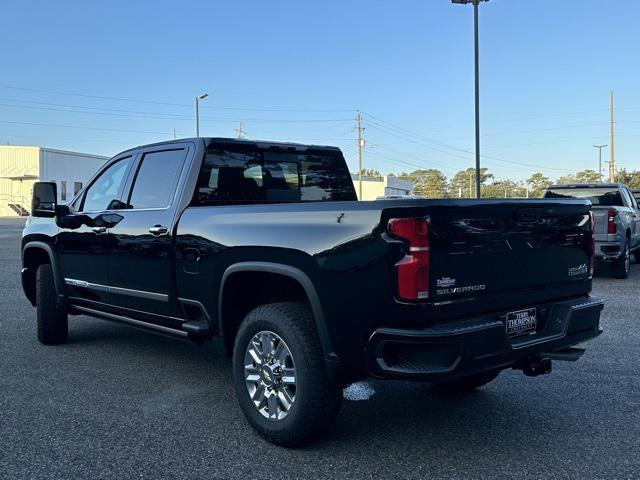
point(371, 173)
point(587, 176)
point(566, 179)
point(537, 184)
point(630, 179)
point(430, 183)
point(503, 189)
point(465, 180)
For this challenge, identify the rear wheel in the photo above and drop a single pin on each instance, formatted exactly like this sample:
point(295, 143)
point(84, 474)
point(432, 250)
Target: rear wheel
point(469, 383)
point(53, 325)
point(280, 377)
point(620, 267)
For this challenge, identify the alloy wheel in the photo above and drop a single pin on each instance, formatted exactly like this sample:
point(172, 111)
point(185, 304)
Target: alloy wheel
point(270, 375)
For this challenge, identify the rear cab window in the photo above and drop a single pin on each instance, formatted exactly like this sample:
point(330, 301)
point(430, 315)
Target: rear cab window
point(599, 196)
point(246, 174)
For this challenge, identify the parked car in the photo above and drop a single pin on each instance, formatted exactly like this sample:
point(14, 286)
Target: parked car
point(636, 195)
point(617, 221)
point(265, 245)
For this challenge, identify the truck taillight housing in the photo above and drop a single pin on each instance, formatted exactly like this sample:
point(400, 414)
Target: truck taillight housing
point(592, 253)
point(611, 221)
point(412, 270)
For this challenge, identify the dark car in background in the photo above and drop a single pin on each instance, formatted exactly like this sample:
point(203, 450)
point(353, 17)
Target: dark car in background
point(617, 221)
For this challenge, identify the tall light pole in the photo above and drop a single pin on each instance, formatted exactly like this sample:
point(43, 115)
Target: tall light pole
point(198, 98)
point(600, 147)
point(477, 76)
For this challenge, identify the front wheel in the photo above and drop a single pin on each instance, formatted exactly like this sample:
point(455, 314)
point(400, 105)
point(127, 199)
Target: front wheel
point(53, 326)
point(620, 267)
point(280, 377)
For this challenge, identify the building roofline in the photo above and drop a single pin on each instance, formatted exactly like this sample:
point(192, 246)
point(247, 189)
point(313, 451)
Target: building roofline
point(54, 150)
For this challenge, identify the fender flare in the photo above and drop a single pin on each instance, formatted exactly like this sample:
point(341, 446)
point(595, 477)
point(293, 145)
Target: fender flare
point(297, 275)
point(52, 259)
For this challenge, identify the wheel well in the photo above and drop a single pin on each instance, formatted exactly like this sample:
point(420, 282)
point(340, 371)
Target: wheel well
point(243, 291)
point(33, 258)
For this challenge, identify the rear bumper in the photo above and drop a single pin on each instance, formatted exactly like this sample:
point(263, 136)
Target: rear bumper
point(465, 347)
point(608, 250)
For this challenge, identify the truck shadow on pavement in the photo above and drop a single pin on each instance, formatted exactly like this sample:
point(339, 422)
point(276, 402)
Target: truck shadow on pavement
point(500, 414)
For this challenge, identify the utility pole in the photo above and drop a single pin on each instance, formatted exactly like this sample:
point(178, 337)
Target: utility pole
point(612, 160)
point(470, 185)
point(174, 133)
point(360, 130)
point(476, 51)
point(600, 147)
point(239, 132)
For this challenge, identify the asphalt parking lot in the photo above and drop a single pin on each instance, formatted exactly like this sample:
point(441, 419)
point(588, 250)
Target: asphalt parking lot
point(118, 403)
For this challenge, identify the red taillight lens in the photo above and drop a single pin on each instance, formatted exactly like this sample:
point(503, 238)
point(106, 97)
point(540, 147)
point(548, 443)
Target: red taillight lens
point(611, 221)
point(592, 256)
point(413, 269)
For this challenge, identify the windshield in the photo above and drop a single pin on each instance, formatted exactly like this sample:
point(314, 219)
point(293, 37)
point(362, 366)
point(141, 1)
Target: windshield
point(608, 197)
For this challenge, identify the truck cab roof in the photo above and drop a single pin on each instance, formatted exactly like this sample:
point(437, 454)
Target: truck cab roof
point(262, 144)
point(588, 185)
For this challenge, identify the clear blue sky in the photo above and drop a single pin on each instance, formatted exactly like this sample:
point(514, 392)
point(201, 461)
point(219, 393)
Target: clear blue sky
point(298, 71)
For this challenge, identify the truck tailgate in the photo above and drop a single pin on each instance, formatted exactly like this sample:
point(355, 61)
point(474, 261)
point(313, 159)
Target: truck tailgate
point(495, 248)
point(479, 251)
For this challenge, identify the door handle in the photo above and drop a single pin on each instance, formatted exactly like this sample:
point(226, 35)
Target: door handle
point(158, 230)
point(99, 230)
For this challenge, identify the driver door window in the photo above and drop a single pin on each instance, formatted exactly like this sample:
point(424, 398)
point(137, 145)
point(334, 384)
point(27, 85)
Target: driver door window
point(107, 188)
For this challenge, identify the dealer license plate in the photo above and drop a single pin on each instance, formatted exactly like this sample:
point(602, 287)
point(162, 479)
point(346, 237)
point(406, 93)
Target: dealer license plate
point(521, 322)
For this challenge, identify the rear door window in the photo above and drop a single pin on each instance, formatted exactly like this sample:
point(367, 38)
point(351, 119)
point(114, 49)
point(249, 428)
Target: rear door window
point(156, 180)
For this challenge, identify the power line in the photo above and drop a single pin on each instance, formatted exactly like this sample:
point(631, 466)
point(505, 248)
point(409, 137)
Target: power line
point(117, 130)
point(155, 102)
point(166, 116)
point(413, 137)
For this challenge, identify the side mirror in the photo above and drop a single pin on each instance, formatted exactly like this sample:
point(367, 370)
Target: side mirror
point(43, 200)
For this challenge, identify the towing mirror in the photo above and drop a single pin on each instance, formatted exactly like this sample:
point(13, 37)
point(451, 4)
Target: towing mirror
point(43, 199)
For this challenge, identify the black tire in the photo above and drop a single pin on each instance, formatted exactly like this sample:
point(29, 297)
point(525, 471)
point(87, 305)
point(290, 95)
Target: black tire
point(53, 327)
point(469, 383)
point(316, 402)
point(620, 267)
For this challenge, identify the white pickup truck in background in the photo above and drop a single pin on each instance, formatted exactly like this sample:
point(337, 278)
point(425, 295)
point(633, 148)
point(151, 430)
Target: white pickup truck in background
point(617, 221)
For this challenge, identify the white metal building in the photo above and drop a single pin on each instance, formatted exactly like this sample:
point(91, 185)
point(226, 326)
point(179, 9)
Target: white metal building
point(20, 167)
point(374, 187)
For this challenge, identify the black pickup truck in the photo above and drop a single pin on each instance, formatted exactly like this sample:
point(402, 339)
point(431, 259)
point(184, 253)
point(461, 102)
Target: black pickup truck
point(265, 245)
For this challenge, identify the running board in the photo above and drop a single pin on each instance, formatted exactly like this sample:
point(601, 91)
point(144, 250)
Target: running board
point(152, 327)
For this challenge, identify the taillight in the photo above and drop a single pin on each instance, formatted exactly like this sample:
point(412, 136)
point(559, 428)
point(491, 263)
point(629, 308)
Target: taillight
point(413, 270)
point(611, 221)
point(592, 256)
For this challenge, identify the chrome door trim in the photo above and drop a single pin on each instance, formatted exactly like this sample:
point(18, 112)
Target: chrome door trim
point(160, 297)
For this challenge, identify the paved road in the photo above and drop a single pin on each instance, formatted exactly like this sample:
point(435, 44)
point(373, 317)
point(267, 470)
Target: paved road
point(117, 403)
